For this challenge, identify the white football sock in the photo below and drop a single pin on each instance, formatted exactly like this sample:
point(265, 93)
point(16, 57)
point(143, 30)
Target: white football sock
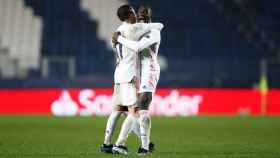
point(145, 128)
point(126, 127)
point(110, 127)
point(136, 128)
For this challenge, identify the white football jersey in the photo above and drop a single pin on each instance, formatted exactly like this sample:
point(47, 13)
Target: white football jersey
point(148, 56)
point(126, 57)
point(148, 47)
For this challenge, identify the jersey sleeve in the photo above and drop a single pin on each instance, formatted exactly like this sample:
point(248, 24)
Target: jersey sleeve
point(142, 28)
point(145, 42)
point(149, 26)
point(157, 26)
point(120, 29)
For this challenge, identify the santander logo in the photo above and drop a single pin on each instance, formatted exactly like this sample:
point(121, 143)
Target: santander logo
point(175, 104)
point(89, 103)
point(64, 106)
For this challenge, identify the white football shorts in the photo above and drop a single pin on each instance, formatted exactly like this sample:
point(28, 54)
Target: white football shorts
point(125, 94)
point(148, 82)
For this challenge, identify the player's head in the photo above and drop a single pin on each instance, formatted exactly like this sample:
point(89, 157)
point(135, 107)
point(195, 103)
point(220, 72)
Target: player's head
point(144, 14)
point(127, 13)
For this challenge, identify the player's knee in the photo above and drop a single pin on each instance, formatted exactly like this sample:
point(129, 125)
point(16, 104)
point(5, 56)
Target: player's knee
point(145, 119)
point(133, 111)
point(145, 100)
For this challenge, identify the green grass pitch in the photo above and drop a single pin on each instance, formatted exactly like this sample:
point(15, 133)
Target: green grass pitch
point(194, 137)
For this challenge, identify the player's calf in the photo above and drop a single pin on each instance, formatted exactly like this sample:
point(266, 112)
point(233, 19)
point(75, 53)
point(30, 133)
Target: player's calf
point(145, 119)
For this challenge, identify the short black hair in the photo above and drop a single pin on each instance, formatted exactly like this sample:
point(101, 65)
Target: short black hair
point(124, 12)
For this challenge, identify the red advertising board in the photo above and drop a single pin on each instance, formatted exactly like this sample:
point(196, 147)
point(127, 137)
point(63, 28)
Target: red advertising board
point(273, 105)
point(166, 102)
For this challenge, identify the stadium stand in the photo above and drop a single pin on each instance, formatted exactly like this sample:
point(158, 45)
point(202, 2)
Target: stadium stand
point(104, 12)
point(215, 43)
point(69, 31)
point(207, 43)
point(20, 33)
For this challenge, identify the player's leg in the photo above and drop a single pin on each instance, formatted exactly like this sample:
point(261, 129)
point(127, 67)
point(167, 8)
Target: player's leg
point(145, 119)
point(126, 126)
point(110, 127)
point(112, 121)
point(119, 147)
point(146, 91)
point(129, 98)
point(136, 128)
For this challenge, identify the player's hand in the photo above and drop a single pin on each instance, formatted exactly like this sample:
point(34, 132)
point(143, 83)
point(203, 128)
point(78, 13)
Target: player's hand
point(115, 38)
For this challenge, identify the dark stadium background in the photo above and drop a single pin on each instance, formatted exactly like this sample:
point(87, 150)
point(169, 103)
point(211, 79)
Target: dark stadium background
point(205, 43)
point(218, 94)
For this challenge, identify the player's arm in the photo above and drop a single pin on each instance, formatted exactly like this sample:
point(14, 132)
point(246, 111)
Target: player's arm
point(149, 26)
point(118, 32)
point(142, 28)
point(145, 42)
